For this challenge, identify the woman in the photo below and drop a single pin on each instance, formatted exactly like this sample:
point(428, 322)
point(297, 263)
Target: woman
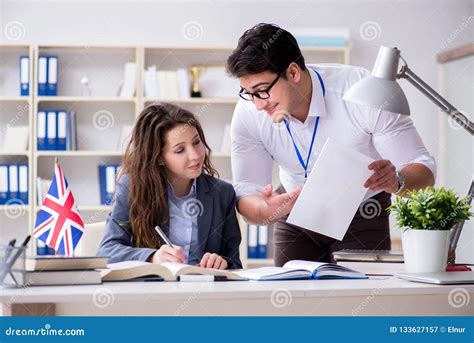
point(167, 179)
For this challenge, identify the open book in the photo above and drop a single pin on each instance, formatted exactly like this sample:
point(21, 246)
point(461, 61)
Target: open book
point(299, 269)
point(170, 271)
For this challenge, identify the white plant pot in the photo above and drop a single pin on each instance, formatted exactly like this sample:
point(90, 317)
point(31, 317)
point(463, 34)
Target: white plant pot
point(425, 251)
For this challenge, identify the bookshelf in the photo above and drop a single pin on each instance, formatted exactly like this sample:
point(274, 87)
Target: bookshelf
point(15, 110)
point(99, 143)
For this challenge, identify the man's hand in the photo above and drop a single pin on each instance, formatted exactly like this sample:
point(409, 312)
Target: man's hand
point(384, 177)
point(277, 205)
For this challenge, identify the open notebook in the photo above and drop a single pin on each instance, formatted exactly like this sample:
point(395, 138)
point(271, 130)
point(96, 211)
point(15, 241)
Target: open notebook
point(296, 269)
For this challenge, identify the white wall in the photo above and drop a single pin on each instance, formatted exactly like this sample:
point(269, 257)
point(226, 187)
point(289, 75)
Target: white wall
point(419, 28)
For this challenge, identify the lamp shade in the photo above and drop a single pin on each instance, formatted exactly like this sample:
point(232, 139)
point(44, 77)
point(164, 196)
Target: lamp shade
point(380, 90)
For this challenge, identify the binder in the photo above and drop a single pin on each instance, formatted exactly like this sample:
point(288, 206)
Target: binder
point(107, 173)
point(13, 184)
point(3, 184)
point(51, 131)
point(52, 83)
point(24, 75)
point(42, 249)
point(262, 242)
point(42, 75)
point(23, 183)
point(252, 240)
point(41, 131)
point(61, 142)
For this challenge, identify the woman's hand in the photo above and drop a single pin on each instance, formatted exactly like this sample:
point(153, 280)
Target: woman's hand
point(213, 261)
point(167, 253)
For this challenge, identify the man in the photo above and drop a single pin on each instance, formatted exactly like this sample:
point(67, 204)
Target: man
point(287, 111)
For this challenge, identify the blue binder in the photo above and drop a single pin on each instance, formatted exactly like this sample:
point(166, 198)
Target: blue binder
point(42, 75)
point(52, 83)
point(41, 125)
point(24, 75)
point(262, 244)
point(13, 194)
point(252, 241)
point(51, 130)
point(23, 183)
point(107, 174)
point(62, 134)
point(4, 184)
point(42, 249)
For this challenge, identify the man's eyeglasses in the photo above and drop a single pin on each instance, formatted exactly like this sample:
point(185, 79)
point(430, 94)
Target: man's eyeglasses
point(263, 94)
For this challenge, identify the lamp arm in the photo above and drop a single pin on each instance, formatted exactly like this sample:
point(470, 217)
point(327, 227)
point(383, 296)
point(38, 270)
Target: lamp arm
point(430, 93)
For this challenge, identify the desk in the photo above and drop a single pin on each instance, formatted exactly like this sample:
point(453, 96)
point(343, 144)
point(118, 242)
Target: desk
point(375, 297)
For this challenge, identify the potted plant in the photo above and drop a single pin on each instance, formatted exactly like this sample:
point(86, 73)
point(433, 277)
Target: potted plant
point(426, 217)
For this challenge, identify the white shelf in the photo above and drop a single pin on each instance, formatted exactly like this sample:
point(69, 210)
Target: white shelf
point(85, 208)
point(14, 153)
point(77, 153)
point(83, 99)
point(15, 98)
point(230, 101)
point(14, 206)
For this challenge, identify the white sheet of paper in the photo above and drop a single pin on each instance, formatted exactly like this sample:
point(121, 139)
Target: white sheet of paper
point(333, 191)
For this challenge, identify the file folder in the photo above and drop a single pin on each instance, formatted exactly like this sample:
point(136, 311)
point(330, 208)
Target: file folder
point(42, 75)
point(62, 130)
point(51, 131)
point(24, 75)
point(252, 241)
point(107, 174)
point(41, 131)
point(262, 242)
point(13, 183)
point(3, 184)
point(23, 184)
point(52, 83)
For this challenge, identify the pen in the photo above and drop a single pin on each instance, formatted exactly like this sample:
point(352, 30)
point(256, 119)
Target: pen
point(163, 236)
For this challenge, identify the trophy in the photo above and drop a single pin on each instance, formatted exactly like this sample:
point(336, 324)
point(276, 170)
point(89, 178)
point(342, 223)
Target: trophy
point(195, 74)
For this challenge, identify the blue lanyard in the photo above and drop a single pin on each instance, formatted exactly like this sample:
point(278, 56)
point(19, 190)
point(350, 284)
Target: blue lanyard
point(300, 158)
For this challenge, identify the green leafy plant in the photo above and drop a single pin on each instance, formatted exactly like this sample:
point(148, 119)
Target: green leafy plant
point(430, 209)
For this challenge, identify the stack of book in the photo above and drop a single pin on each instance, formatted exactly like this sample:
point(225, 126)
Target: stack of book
point(60, 270)
point(371, 262)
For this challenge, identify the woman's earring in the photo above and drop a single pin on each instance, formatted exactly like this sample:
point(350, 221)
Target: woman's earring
point(161, 163)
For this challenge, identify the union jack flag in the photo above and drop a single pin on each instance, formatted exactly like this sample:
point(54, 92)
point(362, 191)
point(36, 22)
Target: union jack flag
point(58, 223)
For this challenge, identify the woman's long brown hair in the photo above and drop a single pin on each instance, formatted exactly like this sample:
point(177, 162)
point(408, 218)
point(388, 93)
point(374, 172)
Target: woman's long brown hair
point(148, 196)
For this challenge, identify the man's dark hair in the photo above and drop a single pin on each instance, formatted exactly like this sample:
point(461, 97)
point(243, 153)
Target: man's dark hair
point(264, 47)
